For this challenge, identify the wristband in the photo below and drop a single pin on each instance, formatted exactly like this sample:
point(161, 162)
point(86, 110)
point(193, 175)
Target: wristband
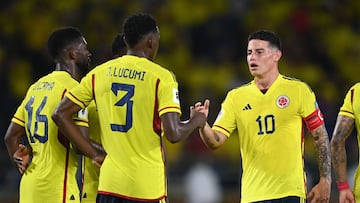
point(343, 185)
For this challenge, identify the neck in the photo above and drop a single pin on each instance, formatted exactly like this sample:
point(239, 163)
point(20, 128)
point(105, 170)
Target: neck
point(68, 68)
point(139, 53)
point(264, 83)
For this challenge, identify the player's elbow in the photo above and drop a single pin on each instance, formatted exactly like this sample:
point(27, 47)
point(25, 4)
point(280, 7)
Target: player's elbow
point(57, 116)
point(173, 137)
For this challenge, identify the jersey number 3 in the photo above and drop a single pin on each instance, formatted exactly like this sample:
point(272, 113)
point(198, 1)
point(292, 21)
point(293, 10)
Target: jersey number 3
point(125, 100)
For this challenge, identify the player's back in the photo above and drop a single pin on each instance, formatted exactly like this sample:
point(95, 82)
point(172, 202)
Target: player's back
point(53, 166)
point(130, 93)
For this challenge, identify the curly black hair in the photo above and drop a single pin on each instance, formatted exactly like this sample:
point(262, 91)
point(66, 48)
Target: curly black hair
point(136, 26)
point(118, 46)
point(61, 38)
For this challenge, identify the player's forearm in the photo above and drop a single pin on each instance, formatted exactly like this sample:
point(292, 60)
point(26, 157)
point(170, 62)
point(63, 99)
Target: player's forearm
point(339, 160)
point(98, 147)
point(12, 138)
point(210, 137)
point(67, 126)
point(344, 126)
point(176, 130)
point(322, 147)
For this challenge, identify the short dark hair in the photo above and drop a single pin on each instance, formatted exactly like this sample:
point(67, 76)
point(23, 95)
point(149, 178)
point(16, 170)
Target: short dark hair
point(136, 26)
point(266, 35)
point(61, 38)
point(118, 46)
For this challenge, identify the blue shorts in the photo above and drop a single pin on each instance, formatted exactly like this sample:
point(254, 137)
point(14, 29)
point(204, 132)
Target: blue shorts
point(101, 198)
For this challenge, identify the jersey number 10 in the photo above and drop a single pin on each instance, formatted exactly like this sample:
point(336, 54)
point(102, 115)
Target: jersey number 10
point(268, 121)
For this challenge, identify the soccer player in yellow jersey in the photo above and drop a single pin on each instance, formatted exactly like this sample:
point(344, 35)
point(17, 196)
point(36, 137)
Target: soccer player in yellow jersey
point(347, 119)
point(138, 106)
point(267, 115)
point(50, 176)
point(90, 172)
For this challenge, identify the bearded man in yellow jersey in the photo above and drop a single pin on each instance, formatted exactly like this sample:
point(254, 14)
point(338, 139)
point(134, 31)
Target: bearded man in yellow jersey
point(50, 176)
point(138, 106)
point(347, 119)
point(268, 115)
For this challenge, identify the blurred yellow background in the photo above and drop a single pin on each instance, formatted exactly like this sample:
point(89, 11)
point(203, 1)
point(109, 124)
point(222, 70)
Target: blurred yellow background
point(204, 43)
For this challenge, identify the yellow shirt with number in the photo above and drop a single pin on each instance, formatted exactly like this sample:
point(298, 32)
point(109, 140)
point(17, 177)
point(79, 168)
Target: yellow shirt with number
point(50, 177)
point(131, 93)
point(271, 135)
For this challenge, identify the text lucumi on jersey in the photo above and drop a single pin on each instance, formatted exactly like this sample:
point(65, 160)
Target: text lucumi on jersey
point(126, 73)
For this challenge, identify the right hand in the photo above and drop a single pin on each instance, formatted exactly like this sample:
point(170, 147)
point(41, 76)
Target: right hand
point(98, 159)
point(200, 112)
point(199, 108)
point(346, 196)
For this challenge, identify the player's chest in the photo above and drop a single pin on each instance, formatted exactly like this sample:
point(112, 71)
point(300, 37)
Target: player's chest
point(254, 105)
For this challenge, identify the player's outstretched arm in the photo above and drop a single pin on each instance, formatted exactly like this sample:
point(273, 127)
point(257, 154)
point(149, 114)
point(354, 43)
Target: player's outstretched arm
point(211, 138)
point(62, 116)
point(321, 191)
point(343, 127)
point(176, 130)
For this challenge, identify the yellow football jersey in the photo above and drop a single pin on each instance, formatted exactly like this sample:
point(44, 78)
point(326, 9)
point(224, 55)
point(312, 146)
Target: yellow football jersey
point(351, 108)
point(270, 129)
point(131, 93)
point(51, 175)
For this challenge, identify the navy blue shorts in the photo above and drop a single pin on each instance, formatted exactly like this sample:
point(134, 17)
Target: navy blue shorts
point(290, 199)
point(101, 198)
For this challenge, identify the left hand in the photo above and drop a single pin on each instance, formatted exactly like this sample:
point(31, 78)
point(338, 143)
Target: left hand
point(21, 158)
point(320, 192)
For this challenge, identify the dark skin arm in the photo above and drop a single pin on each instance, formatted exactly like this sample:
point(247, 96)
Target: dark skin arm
point(62, 116)
point(85, 131)
point(18, 153)
point(321, 191)
point(343, 128)
point(176, 130)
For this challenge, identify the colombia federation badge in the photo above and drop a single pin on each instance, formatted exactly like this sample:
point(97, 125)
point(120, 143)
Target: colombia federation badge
point(282, 101)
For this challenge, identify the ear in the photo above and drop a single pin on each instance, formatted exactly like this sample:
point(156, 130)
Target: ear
point(72, 54)
point(277, 55)
point(150, 42)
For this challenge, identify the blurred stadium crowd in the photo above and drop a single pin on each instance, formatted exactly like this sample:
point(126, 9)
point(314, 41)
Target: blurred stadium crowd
point(204, 43)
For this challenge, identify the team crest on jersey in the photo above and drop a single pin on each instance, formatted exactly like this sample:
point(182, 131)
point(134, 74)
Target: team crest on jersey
point(282, 101)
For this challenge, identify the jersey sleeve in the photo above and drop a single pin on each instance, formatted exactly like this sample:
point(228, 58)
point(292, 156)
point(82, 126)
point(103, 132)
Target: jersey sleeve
point(19, 116)
point(225, 121)
point(310, 110)
point(168, 95)
point(347, 107)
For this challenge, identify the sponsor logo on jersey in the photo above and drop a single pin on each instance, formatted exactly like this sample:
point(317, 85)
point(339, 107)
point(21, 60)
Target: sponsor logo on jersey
point(247, 107)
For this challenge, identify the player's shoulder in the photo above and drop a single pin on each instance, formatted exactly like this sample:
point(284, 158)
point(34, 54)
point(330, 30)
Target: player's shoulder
point(158, 70)
point(291, 79)
point(242, 87)
point(295, 82)
point(356, 86)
